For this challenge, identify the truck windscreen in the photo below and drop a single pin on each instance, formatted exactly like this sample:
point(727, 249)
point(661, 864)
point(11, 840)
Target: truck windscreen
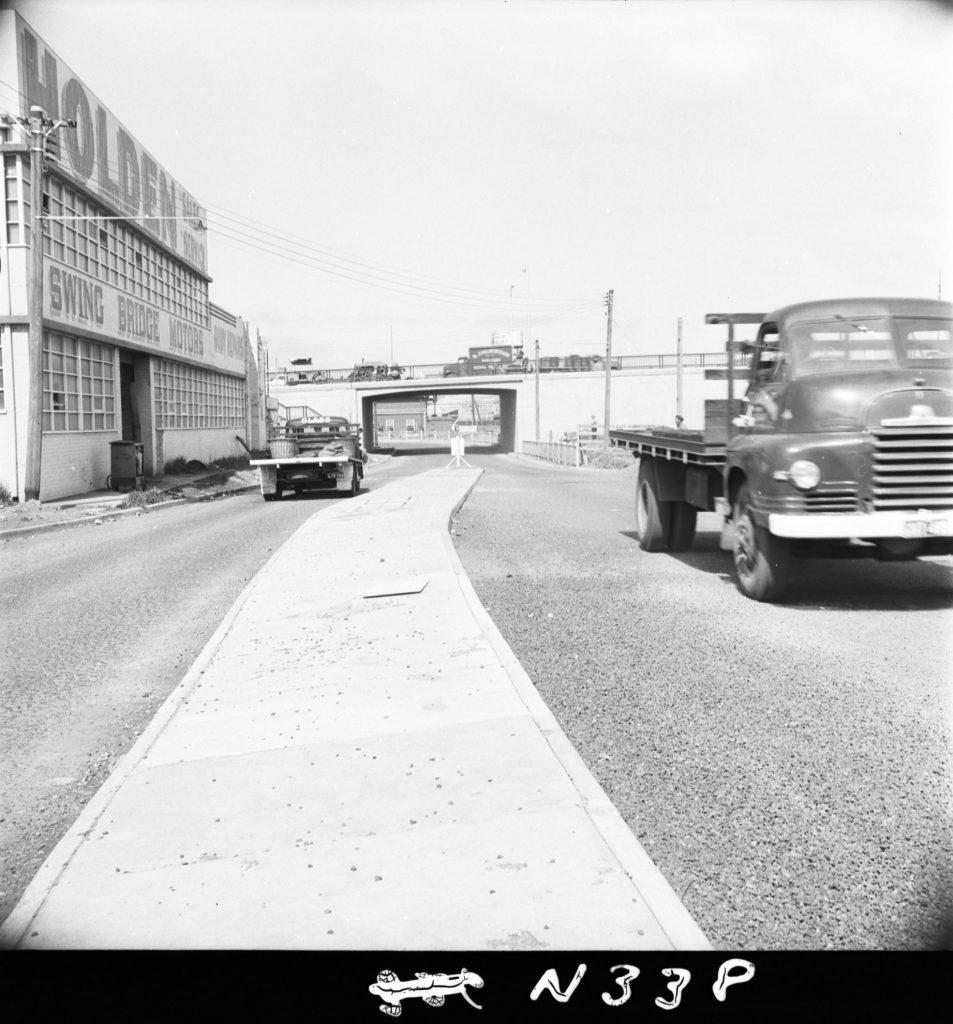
point(874, 343)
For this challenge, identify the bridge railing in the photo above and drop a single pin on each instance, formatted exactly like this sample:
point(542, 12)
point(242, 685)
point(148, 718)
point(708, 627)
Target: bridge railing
point(669, 361)
point(563, 453)
point(574, 448)
point(297, 412)
point(420, 371)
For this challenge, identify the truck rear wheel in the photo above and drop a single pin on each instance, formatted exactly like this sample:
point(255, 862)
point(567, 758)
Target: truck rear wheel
point(762, 561)
point(681, 532)
point(651, 515)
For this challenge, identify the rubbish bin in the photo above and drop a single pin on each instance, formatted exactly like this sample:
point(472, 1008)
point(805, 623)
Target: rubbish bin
point(126, 462)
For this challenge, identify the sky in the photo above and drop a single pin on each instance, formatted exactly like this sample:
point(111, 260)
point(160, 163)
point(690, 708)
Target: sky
point(397, 181)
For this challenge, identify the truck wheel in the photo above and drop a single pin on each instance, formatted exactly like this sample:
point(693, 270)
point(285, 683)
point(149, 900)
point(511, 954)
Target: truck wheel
point(761, 559)
point(650, 515)
point(355, 481)
point(269, 497)
point(681, 531)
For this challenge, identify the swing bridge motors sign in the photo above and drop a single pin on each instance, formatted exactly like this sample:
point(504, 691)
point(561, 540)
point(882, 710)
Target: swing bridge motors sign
point(96, 309)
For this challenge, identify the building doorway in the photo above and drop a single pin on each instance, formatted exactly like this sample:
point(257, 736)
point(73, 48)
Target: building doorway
point(130, 417)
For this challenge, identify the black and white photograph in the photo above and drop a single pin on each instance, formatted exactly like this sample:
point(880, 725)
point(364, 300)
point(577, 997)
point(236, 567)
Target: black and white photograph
point(476, 498)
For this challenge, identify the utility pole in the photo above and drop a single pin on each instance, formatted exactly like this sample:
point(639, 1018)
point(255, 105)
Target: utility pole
point(678, 377)
point(537, 389)
point(608, 302)
point(529, 314)
point(41, 128)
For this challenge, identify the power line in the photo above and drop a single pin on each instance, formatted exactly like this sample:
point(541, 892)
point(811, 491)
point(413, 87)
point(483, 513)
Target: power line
point(356, 270)
point(371, 266)
point(312, 262)
point(346, 265)
point(356, 273)
point(264, 239)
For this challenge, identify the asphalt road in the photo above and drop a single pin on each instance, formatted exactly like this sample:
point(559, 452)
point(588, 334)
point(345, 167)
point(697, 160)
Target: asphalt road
point(787, 767)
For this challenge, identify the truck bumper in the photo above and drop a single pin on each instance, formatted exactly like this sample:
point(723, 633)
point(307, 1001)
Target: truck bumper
point(863, 526)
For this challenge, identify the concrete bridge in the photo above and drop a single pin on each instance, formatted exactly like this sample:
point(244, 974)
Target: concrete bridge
point(638, 397)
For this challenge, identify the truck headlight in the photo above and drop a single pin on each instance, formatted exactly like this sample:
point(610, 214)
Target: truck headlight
point(804, 474)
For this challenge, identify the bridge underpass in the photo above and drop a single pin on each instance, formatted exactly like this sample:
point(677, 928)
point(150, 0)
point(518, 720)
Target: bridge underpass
point(505, 389)
point(563, 402)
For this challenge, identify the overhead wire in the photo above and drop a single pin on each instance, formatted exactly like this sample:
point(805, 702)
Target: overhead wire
point(276, 251)
point(352, 267)
point(363, 265)
point(249, 235)
point(304, 258)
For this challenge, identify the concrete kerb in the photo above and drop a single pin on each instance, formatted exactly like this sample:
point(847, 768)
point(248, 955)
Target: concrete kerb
point(122, 513)
point(140, 510)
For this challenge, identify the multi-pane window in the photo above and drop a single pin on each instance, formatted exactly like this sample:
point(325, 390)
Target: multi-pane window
point(16, 188)
point(79, 384)
point(187, 396)
point(81, 235)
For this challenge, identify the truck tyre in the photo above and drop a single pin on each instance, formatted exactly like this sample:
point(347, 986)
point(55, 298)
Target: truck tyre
point(681, 533)
point(269, 497)
point(651, 515)
point(762, 561)
point(355, 482)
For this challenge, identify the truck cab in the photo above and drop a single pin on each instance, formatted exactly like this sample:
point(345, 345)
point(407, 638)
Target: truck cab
point(846, 440)
point(460, 368)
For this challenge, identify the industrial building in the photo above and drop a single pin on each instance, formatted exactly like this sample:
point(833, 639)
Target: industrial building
point(135, 358)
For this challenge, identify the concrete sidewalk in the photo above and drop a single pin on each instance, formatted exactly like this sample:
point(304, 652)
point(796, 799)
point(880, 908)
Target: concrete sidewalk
point(355, 761)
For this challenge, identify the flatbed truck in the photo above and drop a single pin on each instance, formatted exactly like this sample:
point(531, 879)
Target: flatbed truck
point(842, 445)
point(309, 453)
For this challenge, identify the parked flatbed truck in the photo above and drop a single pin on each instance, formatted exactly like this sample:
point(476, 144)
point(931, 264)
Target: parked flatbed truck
point(842, 445)
point(320, 452)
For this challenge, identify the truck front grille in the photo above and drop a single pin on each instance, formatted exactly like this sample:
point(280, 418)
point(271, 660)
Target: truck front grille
point(833, 497)
point(913, 467)
point(831, 501)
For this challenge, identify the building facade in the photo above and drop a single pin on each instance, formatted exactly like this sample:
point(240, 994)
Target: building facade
point(400, 419)
point(132, 347)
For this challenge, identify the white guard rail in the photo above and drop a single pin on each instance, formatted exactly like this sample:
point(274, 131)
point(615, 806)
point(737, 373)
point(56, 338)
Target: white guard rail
point(563, 453)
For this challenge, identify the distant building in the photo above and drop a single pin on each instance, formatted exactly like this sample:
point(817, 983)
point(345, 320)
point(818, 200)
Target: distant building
point(132, 347)
point(400, 419)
